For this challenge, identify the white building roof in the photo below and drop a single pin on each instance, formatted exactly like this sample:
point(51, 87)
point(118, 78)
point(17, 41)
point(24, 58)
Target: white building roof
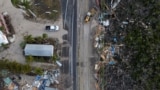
point(3, 39)
point(38, 50)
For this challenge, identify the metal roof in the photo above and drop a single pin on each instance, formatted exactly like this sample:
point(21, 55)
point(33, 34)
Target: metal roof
point(7, 81)
point(38, 50)
point(49, 88)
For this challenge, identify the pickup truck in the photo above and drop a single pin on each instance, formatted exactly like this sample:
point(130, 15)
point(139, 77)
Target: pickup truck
point(52, 28)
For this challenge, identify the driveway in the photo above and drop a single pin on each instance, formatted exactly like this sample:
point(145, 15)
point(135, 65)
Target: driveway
point(22, 27)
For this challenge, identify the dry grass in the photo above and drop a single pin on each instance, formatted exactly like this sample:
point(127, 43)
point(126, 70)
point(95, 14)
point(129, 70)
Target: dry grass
point(45, 9)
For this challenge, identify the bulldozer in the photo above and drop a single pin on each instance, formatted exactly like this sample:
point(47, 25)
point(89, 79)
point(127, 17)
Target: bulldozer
point(90, 14)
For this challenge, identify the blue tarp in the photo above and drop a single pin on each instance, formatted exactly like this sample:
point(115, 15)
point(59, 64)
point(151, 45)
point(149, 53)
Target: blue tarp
point(113, 49)
point(115, 40)
point(37, 78)
point(111, 63)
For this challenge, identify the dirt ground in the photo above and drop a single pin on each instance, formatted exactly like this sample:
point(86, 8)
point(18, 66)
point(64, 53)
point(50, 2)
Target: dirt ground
point(85, 54)
point(22, 27)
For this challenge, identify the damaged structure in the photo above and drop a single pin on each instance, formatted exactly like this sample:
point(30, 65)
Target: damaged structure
point(108, 42)
point(44, 81)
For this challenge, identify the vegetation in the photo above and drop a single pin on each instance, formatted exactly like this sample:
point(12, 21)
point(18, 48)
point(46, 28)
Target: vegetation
point(9, 24)
point(44, 39)
point(144, 44)
point(29, 60)
point(38, 71)
point(139, 67)
point(14, 67)
point(4, 46)
point(45, 9)
point(17, 68)
point(1, 28)
point(24, 3)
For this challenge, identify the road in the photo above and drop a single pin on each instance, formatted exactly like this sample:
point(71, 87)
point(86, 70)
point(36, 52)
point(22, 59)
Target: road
point(69, 10)
point(80, 51)
point(85, 70)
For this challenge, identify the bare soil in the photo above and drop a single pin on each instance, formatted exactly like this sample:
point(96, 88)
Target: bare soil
point(23, 27)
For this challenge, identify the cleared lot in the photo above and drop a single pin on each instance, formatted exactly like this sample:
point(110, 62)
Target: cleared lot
point(23, 27)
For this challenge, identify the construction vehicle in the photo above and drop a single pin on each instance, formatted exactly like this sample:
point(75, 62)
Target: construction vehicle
point(90, 14)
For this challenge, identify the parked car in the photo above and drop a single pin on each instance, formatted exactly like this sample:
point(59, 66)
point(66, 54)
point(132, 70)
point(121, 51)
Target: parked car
point(52, 28)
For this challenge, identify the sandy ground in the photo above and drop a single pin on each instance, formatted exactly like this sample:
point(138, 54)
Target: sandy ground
point(22, 27)
point(85, 54)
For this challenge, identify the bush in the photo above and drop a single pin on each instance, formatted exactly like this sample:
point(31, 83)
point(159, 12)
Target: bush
point(38, 71)
point(14, 67)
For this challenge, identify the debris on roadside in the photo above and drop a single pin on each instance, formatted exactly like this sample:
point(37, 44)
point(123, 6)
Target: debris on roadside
point(108, 42)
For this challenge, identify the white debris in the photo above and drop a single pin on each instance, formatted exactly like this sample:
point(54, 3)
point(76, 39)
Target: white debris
point(125, 22)
point(105, 23)
point(48, 12)
point(58, 63)
point(114, 4)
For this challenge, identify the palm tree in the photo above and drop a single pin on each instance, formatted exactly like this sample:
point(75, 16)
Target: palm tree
point(29, 39)
point(44, 36)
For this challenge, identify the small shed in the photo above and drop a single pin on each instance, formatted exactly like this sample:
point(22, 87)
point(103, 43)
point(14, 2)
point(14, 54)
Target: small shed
point(38, 50)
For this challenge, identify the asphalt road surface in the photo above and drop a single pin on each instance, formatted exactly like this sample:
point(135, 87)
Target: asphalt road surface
point(80, 48)
point(69, 12)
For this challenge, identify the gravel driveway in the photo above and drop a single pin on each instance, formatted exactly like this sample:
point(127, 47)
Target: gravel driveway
point(22, 27)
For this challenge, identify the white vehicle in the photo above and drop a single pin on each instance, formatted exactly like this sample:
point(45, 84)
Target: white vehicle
point(52, 28)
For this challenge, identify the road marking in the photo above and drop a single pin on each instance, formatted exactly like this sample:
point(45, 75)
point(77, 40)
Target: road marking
point(72, 45)
point(65, 13)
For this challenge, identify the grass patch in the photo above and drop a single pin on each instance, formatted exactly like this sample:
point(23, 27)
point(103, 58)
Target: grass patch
point(44, 9)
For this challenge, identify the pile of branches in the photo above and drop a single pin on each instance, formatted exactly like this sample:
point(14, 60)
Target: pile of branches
point(9, 24)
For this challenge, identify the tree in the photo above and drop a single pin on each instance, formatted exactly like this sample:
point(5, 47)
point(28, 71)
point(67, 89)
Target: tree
point(29, 39)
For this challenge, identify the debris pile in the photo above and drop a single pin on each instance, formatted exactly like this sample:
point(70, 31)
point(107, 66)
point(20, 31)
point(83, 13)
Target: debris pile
point(108, 40)
point(7, 32)
point(48, 79)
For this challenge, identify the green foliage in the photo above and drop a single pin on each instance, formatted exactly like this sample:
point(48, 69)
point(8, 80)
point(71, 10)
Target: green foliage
point(2, 28)
point(38, 71)
point(39, 10)
point(15, 2)
point(145, 61)
point(26, 4)
point(44, 36)
point(5, 46)
point(14, 67)
point(144, 44)
point(22, 44)
point(29, 39)
point(29, 59)
point(39, 40)
point(54, 58)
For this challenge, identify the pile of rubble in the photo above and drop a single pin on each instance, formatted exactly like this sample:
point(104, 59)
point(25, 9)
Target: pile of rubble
point(49, 80)
point(45, 81)
point(108, 40)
